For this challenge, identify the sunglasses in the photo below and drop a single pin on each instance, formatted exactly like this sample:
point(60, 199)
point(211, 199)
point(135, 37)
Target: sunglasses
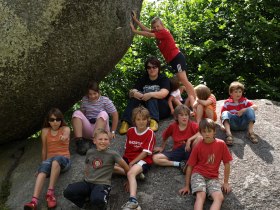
point(55, 119)
point(152, 67)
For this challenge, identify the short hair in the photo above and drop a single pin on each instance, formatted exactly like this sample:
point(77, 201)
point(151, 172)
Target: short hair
point(174, 82)
point(93, 85)
point(100, 131)
point(144, 112)
point(202, 92)
point(181, 109)
point(154, 61)
point(236, 85)
point(58, 114)
point(207, 123)
point(156, 19)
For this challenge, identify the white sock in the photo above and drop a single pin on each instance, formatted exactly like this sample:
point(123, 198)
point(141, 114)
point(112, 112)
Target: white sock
point(175, 163)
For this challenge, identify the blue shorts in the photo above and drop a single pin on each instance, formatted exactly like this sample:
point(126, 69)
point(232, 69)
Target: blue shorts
point(178, 63)
point(178, 154)
point(145, 167)
point(46, 165)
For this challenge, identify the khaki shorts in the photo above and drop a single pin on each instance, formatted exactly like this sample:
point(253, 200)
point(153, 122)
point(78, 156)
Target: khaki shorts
point(201, 184)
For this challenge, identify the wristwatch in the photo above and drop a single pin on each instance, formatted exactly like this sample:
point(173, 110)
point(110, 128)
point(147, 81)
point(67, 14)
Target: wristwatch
point(113, 132)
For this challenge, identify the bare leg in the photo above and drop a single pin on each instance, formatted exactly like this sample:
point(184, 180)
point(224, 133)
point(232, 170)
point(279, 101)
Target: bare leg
point(182, 76)
point(162, 160)
point(39, 184)
point(99, 124)
point(199, 113)
point(227, 128)
point(251, 127)
point(54, 174)
point(131, 176)
point(218, 199)
point(200, 198)
point(209, 113)
point(77, 127)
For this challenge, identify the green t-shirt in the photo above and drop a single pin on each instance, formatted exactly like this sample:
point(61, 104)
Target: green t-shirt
point(100, 165)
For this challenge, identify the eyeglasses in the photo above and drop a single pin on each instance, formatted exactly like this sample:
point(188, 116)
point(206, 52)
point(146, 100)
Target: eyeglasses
point(55, 119)
point(152, 67)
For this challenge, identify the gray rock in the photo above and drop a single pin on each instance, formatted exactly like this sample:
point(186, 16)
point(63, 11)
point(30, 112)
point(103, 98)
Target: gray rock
point(48, 52)
point(255, 172)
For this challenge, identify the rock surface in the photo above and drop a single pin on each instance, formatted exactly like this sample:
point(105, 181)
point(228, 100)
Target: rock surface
point(255, 172)
point(50, 49)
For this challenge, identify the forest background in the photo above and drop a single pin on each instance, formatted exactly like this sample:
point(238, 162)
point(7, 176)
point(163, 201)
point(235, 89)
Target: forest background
point(222, 41)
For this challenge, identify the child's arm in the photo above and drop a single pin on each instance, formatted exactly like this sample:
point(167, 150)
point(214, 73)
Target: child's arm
point(204, 102)
point(44, 143)
point(143, 28)
point(162, 147)
point(226, 187)
point(240, 112)
point(193, 140)
point(170, 103)
point(115, 120)
point(186, 189)
point(141, 156)
point(142, 33)
point(124, 165)
point(65, 134)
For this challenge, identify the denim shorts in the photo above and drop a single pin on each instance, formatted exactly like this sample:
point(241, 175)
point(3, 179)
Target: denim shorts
point(178, 154)
point(46, 165)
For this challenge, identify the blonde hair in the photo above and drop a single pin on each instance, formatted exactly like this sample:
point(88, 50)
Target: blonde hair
point(142, 111)
point(100, 131)
point(202, 92)
point(236, 85)
point(181, 109)
point(156, 19)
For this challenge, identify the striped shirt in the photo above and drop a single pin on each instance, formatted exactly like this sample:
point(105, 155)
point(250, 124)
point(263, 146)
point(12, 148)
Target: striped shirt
point(55, 146)
point(233, 108)
point(92, 108)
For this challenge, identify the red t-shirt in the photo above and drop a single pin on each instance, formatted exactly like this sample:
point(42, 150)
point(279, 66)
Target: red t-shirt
point(138, 142)
point(166, 44)
point(180, 137)
point(233, 108)
point(206, 158)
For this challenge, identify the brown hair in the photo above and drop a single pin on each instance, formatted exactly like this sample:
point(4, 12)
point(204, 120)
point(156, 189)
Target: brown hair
point(202, 92)
point(142, 111)
point(174, 82)
point(154, 61)
point(181, 109)
point(58, 114)
point(207, 123)
point(93, 85)
point(236, 85)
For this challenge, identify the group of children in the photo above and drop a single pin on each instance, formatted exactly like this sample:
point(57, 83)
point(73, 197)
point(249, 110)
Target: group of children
point(195, 149)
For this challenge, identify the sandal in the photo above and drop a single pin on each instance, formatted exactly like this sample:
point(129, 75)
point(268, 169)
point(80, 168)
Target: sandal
point(229, 140)
point(253, 137)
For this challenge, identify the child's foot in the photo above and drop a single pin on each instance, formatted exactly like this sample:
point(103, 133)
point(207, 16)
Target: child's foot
point(30, 206)
point(183, 166)
point(140, 176)
point(229, 140)
point(131, 205)
point(82, 145)
point(51, 201)
point(253, 138)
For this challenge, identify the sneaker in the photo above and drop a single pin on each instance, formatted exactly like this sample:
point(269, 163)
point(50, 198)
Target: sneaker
point(82, 145)
point(51, 201)
point(124, 127)
point(140, 176)
point(30, 206)
point(154, 125)
point(183, 166)
point(131, 205)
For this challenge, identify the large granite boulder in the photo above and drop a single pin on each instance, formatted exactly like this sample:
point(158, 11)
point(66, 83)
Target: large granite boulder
point(255, 172)
point(50, 49)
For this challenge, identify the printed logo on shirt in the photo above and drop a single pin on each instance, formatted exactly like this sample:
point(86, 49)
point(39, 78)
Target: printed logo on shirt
point(135, 143)
point(211, 159)
point(97, 163)
point(151, 88)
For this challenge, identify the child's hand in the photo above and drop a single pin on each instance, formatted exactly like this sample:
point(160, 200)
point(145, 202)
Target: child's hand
point(226, 187)
point(184, 191)
point(147, 96)
point(133, 15)
point(158, 149)
point(240, 112)
point(63, 138)
point(188, 146)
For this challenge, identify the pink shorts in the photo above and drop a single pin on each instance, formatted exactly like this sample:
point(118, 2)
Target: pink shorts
point(87, 126)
